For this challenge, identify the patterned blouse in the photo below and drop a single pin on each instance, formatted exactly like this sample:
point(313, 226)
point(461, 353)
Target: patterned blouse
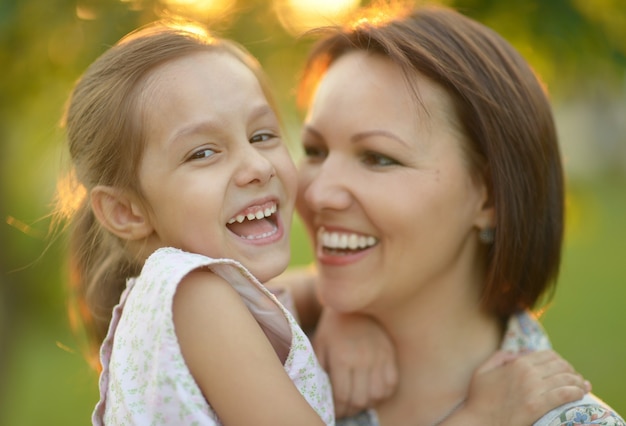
point(145, 381)
point(524, 333)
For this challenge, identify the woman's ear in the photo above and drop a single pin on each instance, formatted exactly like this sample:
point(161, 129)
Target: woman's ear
point(486, 214)
point(120, 213)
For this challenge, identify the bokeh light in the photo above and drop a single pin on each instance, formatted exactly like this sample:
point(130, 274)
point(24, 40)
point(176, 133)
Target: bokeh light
point(298, 16)
point(577, 46)
point(197, 9)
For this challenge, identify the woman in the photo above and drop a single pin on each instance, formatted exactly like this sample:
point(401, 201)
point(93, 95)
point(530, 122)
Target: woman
point(432, 188)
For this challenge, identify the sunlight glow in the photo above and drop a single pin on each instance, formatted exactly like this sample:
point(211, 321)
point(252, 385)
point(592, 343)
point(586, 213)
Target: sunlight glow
point(298, 16)
point(198, 9)
point(70, 195)
point(381, 14)
point(322, 7)
point(85, 12)
point(23, 227)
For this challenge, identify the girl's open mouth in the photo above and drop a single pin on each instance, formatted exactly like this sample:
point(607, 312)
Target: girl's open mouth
point(255, 222)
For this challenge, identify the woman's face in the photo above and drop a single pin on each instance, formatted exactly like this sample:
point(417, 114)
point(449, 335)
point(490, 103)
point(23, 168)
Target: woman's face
point(384, 189)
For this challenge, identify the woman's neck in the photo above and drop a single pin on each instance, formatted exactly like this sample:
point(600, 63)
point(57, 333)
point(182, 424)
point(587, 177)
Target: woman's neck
point(440, 341)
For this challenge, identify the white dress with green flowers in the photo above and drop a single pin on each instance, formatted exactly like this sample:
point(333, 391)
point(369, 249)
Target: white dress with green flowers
point(145, 381)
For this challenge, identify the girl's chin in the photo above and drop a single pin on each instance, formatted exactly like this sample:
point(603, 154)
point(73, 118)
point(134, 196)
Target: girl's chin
point(265, 272)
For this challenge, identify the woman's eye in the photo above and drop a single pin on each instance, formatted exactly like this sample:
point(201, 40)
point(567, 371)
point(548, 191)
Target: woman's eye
point(203, 153)
point(313, 152)
point(375, 159)
point(262, 137)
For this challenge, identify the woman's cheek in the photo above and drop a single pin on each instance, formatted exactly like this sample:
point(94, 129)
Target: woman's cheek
point(305, 177)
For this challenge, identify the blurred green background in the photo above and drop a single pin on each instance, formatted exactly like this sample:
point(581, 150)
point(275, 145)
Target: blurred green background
point(578, 46)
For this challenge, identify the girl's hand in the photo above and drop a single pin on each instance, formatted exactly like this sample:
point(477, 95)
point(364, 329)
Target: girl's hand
point(359, 358)
point(516, 390)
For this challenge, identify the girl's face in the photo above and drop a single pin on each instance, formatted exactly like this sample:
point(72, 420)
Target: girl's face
point(384, 189)
point(216, 176)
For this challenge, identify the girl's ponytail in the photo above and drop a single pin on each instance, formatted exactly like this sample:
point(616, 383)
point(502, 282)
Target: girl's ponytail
point(99, 267)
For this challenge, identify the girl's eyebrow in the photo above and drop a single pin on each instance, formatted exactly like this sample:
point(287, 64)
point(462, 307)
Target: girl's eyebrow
point(212, 126)
point(204, 126)
point(260, 111)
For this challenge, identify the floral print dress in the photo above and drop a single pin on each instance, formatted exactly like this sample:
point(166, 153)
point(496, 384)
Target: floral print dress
point(145, 380)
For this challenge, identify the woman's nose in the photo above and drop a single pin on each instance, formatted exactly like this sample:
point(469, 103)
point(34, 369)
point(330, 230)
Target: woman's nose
point(326, 187)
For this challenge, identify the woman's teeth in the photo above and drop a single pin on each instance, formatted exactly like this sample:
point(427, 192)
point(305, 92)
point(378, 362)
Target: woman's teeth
point(345, 240)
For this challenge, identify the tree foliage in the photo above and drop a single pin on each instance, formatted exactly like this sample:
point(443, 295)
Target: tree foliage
point(577, 46)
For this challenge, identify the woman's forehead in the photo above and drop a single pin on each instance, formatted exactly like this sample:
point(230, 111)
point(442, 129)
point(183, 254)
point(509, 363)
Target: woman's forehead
point(358, 79)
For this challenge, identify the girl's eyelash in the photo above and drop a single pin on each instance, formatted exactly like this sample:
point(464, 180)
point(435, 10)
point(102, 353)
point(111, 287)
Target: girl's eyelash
point(262, 137)
point(198, 155)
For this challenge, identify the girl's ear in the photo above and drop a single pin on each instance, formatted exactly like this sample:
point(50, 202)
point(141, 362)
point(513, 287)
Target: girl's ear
point(120, 213)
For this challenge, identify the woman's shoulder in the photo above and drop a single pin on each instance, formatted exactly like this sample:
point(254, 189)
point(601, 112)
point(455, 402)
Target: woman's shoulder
point(588, 411)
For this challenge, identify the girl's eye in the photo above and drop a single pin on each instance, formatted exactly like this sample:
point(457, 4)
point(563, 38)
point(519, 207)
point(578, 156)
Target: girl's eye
point(262, 137)
point(380, 160)
point(203, 153)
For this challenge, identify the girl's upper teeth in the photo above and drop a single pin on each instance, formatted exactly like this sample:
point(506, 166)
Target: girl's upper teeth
point(345, 240)
point(258, 214)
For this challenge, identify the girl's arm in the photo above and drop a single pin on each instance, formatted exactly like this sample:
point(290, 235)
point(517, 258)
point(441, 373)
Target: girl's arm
point(507, 390)
point(516, 390)
point(300, 282)
point(360, 361)
point(231, 359)
point(359, 358)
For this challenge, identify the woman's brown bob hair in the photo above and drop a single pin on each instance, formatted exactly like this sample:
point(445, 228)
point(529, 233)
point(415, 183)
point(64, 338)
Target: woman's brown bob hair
point(506, 116)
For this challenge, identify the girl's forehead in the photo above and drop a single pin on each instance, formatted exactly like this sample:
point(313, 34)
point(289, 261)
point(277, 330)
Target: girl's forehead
point(214, 90)
point(207, 62)
point(211, 72)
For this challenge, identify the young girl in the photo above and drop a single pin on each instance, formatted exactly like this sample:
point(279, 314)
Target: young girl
point(174, 138)
point(182, 179)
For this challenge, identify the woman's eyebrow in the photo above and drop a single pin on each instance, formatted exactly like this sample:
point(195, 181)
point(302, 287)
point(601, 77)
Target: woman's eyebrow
point(311, 130)
point(385, 133)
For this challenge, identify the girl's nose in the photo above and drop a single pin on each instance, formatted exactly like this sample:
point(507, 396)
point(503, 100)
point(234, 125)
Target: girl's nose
point(254, 167)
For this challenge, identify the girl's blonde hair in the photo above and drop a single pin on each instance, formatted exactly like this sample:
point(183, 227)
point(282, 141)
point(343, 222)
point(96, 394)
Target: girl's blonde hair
point(106, 141)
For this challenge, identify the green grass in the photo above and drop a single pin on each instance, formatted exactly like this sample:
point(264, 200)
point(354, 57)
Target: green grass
point(48, 382)
point(587, 318)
